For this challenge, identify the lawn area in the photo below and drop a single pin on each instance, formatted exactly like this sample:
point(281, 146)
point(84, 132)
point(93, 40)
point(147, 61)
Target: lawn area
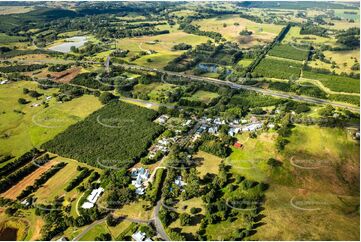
point(262, 33)
point(208, 163)
point(35, 125)
point(245, 62)
point(203, 96)
point(117, 230)
point(223, 229)
point(134, 210)
point(98, 229)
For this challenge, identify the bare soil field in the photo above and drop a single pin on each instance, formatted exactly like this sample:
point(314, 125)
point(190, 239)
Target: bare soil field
point(13, 192)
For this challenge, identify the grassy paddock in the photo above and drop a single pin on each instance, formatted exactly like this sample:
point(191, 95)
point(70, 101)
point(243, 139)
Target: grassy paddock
point(36, 125)
point(203, 96)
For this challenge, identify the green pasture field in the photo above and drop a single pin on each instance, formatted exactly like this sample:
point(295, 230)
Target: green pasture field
point(22, 131)
point(203, 96)
point(320, 202)
point(153, 90)
point(250, 161)
point(277, 68)
point(208, 163)
point(344, 61)
point(7, 39)
point(325, 199)
point(343, 13)
point(334, 82)
point(162, 44)
point(294, 36)
point(98, 229)
point(245, 62)
point(262, 33)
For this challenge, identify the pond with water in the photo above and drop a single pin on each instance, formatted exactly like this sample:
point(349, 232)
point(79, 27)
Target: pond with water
point(8, 234)
point(77, 41)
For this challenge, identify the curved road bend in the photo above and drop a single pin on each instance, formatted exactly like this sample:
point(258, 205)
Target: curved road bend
point(158, 224)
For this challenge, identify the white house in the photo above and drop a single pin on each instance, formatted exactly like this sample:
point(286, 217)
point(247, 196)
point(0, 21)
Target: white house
point(178, 181)
point(138, 236)
point(139, 176)
point(251, 127)
point(233, 131)
point(213, 130)
point(162, 119)
point(92, 198)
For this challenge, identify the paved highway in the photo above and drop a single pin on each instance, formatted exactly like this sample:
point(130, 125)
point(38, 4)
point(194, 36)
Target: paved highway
point(274, 93)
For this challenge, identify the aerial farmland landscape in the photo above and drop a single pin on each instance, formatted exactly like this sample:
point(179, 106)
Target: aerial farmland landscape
point(179, 120)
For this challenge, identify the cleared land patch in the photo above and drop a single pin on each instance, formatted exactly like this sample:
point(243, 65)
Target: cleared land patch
point(203, 96)
point(55, 185)
point(344, 60)
point(15, 190)
point(304, 203)
point(207, 163)
point(162, 45)
point(230, 26)
point(35, 125)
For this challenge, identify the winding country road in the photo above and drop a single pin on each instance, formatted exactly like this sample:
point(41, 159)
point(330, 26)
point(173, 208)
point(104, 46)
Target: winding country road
point(76, 238)
point(158, 224)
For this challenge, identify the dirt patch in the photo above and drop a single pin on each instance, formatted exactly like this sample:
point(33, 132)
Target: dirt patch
point(37, 231)
point(13, 192)
point(65, 76)
point(318, 175)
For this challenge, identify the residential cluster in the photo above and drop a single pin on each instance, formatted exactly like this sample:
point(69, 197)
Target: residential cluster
point(140, 178)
